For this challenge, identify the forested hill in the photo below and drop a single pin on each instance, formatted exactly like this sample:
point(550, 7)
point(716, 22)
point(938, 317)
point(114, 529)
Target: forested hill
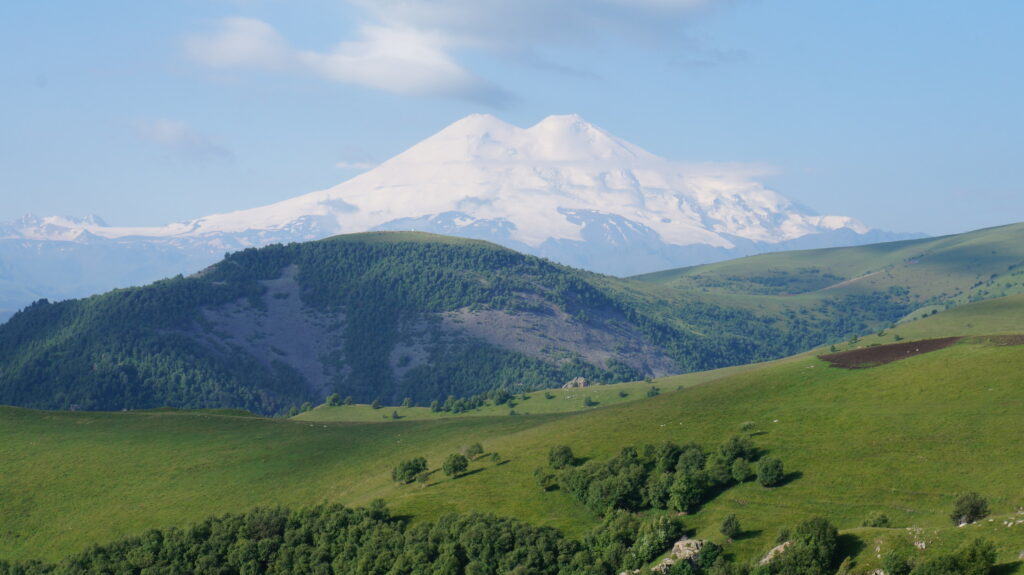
point(391, 316)
point(385, 316)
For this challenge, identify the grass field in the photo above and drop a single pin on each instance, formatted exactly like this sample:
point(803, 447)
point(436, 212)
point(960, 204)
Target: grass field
point(903, 439)
point(983, 264)
point(535, 403)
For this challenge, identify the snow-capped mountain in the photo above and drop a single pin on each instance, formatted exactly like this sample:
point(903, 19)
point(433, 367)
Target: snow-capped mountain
point(562, 189)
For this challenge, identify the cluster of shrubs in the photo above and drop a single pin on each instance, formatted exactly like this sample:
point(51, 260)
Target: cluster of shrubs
point(668, 476)
point(974, 558)
point(456, 464)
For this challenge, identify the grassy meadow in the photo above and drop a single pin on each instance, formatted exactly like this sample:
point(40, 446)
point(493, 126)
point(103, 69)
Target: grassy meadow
point(902, 439)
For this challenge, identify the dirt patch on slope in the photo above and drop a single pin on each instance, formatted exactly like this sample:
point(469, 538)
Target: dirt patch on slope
point(883, 354)
point(550, 334)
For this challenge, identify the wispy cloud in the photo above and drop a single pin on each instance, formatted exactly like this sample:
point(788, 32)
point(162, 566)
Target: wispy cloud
point(414, 46)
point(398, 59)
point(183, 141)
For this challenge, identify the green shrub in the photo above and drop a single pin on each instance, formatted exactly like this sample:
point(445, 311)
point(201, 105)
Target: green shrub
point(730, 526)
point(406, 471)
point(561, 456)
point(455, 465)
point(741, 470)
point(968, 508)
point(876, 519)
point(770, 472)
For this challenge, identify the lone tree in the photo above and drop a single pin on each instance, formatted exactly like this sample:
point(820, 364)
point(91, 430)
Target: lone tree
point(455, 465)
point(473, 451)
point(406, 471)
point(376, 404)
point(731, 526)
point(561, 456)
point(333, 399)
point(348, 400)
point(770, 472)
point(407, 402)
point(968, 508)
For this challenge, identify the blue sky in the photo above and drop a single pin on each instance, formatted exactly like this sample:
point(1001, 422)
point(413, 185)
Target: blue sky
point(904, 114)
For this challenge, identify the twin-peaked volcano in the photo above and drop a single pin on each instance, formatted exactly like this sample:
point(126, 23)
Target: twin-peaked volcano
point(563, 189)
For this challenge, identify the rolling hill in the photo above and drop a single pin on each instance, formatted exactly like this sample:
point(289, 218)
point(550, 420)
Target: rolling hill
point(901, 438)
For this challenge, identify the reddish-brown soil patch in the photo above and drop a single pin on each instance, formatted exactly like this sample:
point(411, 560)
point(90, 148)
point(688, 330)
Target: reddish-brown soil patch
point(882, 354)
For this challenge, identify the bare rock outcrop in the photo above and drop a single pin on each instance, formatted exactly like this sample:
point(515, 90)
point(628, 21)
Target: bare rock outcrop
point(578, 382)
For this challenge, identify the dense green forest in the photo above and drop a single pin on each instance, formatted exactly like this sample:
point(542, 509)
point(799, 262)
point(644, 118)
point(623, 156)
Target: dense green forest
point(151, 346)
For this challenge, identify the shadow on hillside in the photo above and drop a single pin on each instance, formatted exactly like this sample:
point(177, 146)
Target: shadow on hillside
point(468, 473)
point(748, 534)
point(850, 545)
point(1008, 568)
point(790, 478)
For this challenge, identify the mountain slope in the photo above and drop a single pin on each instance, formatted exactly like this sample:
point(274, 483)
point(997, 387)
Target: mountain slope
point(562, 189)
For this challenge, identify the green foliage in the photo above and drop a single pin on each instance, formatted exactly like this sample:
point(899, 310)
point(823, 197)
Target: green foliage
point(896, 563)
point(561, 456)
point(968, 508)
point(334, 539)
point(348, 400)
point(770, 472)
point(814, 548)
point(730, 526)
point(664, 477)
point(376, 404)
point(625, 541)
point(455, 465)
point(333, 400)
point(741, 470)
point(473, 451)
point(406, 471)
point(877, 519)
point(407, 402)
point(975, 558)
point(546, 480)
point(589, 402)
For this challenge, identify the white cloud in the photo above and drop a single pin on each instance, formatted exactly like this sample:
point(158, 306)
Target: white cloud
point(413, 46)
point(241, 43)
point(183, 141)
point(395, 59)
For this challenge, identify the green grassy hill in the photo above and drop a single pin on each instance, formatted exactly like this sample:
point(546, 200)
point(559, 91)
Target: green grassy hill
point(957, 269)
point(901, 438)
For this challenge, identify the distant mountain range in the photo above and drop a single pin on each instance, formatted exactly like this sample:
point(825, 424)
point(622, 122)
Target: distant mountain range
point(562, 189)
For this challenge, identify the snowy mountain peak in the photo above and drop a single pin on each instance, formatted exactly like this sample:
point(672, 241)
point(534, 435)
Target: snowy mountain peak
point(562, 188)
point(570, 138)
